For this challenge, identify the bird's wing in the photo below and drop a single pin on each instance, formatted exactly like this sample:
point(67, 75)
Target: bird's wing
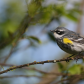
point(76, 38)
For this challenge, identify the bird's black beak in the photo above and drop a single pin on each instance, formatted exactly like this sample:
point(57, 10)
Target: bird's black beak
point(52, 30)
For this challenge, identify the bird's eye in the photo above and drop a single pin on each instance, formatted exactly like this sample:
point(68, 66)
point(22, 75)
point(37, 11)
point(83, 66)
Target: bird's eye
point(60, 32)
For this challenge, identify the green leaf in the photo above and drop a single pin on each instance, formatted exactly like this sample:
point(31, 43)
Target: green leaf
point(75, 69)
point(61, 67)
point(46, 14)
point(33, 7)
point(34, 38)
point(71, 17)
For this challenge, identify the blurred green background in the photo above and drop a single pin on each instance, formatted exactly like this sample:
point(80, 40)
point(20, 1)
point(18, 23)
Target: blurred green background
point(25, 37)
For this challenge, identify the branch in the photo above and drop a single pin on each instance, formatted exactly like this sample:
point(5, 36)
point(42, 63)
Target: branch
point(26, 76)
point(11, 51)
point(29, 68)
point(70, 80)
point(18, 33)
point(42, 62)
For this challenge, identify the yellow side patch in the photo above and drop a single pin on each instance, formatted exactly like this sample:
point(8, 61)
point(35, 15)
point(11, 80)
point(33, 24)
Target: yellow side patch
point(66, 41)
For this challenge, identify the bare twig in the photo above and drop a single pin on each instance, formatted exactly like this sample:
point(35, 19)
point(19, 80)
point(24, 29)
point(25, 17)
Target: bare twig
point(26, 76)
point(8, 55)
point(3, 64)
point(42, 62)
point(29, 68)
point(72, 80)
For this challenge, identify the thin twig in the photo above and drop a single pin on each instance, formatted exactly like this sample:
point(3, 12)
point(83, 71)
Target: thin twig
point(29, 68)
point(26, 76)
point(42, 62)
point(8, 55)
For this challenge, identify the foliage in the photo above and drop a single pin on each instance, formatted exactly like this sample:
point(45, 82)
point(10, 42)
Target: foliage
point(17, 19)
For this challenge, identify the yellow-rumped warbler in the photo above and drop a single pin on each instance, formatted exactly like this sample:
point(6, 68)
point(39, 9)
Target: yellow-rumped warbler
point(68, 41)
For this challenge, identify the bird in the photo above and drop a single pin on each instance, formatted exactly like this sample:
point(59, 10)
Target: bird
point(69, 41)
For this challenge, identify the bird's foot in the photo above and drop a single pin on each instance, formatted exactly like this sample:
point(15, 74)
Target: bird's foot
point(67, 59)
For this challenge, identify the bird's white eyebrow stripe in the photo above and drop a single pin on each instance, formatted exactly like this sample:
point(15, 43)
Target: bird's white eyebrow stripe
point(61, 30)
